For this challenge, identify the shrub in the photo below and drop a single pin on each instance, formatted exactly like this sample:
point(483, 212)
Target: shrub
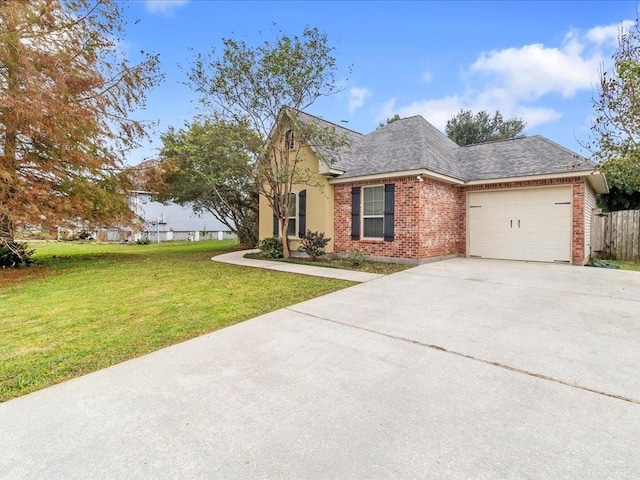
point(356, 257)
point(15, 254)
point(271, 247)
point(313, 244)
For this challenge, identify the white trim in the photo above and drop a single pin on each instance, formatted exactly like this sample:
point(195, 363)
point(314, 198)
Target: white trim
point(362, 218)
point(528, 178)
point(597, 180)
point(403, 173)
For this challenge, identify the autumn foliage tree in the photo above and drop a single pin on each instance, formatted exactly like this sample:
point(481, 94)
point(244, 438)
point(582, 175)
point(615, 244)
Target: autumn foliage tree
point(66, 95)
point(263, 86)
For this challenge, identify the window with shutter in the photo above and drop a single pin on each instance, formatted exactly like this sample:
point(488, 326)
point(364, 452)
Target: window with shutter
point(373, 212)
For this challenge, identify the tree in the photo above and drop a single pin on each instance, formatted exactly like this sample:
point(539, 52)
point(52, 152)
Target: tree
point(389, 120)
point(210, 165)
point(267, 85)
point(615, 141)
point(65, 94)
point(465, 128)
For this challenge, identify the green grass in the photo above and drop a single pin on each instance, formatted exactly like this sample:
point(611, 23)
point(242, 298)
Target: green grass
point(626, 265)
point(87, 306)
point(367, 266)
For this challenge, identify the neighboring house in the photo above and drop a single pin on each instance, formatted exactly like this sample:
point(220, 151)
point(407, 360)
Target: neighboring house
point(406, 191)
point(170, 221)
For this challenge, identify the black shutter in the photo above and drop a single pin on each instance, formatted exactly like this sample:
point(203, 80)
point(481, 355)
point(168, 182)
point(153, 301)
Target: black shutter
point(276, 225)
point(355, 213)
point(302, 214)
point(389, 199)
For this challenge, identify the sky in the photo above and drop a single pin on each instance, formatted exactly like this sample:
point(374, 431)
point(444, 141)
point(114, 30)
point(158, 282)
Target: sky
point(538, 61)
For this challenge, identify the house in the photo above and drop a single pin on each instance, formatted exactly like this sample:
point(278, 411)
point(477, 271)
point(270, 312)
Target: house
point(406, 192)
point(170, 221)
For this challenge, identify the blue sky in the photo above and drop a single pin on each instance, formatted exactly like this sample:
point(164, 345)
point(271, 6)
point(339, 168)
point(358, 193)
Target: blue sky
point(535, 60)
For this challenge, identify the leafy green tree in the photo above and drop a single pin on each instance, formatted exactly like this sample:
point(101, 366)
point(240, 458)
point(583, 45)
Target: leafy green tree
point(66, 95)
point(210, 165)
point(389, 120)
point(615, 140)
point(271, 84)
point(467, 128)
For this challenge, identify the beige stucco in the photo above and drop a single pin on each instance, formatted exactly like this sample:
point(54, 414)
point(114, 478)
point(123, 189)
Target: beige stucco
point(319, 201)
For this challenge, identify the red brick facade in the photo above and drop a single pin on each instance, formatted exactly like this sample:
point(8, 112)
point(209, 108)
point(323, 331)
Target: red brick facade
point(430, 217)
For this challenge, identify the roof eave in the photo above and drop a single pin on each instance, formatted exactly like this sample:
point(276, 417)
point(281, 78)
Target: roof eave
point(598, 182)
point(545, 176)
point(423, 173)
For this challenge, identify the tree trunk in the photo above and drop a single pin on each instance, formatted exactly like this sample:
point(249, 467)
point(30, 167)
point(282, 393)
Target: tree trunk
point(247, 235)
point(284, 227)
point(6, 229)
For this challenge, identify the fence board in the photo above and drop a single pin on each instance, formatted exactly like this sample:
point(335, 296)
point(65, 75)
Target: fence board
point(616, 235)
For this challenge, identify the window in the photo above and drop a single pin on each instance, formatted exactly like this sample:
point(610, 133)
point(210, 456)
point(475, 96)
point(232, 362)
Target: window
point(293, 216)
point(288, 140)
point(373, 211)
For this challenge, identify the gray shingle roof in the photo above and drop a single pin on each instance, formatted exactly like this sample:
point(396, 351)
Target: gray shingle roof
point(337, 158)
point(414, 144)
point(408, 144)
point(518, 157)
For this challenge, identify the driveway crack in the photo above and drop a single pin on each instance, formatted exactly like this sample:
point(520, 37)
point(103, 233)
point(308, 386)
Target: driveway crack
point(471, 357)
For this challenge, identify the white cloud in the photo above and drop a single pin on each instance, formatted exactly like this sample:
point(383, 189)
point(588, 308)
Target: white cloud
point(163, 7)
point(517, 80)
point(437, 112)
point(609, 33)
point(534, 70)
point(357, 96)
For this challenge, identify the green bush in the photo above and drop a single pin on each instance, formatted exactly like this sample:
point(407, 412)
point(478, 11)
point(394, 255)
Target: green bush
point(271, 247)
point(313, 244)
point(15, 254)
point(356, 257)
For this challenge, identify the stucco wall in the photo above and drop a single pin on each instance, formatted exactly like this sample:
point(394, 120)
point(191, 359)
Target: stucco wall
point(320, 202)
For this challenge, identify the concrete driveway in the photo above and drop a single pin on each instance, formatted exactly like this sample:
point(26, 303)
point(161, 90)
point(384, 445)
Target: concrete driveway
point(457, 369)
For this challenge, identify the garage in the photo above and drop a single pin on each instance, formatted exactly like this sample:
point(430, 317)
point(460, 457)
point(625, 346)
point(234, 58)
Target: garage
point(522, 224)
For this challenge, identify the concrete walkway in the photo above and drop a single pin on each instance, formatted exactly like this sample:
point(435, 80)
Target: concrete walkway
point(237, 258)
point(464, 368)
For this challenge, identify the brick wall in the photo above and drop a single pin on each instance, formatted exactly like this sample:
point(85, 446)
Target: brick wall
point(441, 223)
point(430, 217)
point(427, 220)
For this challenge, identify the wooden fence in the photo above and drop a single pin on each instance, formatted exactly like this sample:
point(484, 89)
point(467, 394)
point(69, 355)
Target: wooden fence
point(616, 235)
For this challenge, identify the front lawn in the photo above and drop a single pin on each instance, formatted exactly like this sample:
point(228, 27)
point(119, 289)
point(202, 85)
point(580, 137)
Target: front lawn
point(87, 306)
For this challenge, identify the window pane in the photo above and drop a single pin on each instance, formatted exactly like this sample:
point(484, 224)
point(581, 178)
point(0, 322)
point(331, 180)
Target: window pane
point(291, 231)
point(292, 205)
point(373, 201)
point(373, 227)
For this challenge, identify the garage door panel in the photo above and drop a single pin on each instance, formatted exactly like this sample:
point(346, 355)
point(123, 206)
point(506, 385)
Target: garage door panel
point(526, 224)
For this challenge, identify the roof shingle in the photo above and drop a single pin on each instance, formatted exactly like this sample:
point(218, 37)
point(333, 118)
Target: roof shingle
point(414, 144)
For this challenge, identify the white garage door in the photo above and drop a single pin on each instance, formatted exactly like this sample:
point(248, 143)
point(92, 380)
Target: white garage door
point(527, 224)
